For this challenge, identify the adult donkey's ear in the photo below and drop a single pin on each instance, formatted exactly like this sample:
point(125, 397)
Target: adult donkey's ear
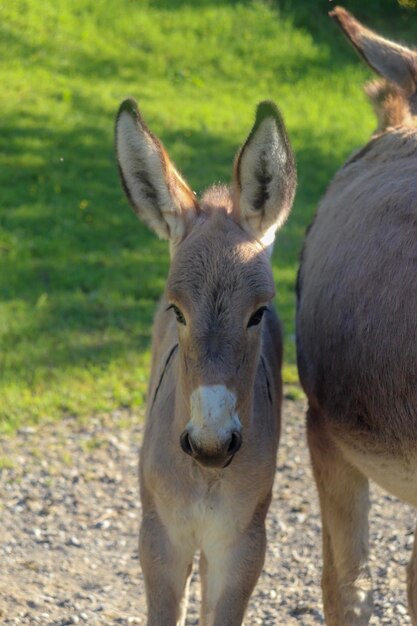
point(392, 61)
point(156, 191)
point(265, 176)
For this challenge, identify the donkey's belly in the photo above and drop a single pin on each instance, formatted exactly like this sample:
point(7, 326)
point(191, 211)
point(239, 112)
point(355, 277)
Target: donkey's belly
point(396, 474)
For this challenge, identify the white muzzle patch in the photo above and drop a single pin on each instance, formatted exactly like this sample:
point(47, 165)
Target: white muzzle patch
point(213, 416)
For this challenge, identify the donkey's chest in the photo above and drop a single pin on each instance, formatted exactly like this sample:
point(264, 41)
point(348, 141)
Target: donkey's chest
point(208, 519)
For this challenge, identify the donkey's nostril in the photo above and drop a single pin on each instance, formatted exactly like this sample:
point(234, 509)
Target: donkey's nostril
point(235, 442)
point(185, 443)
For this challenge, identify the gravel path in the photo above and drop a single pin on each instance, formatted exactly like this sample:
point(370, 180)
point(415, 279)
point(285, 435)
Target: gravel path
point(70, 514)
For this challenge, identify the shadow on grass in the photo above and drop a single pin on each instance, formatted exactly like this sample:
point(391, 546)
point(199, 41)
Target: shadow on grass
point(393, 19)
point(392, 15)
point(86, 271)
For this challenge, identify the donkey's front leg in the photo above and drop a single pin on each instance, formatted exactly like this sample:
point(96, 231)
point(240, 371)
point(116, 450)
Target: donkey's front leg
point(230, 573)
point(344, 503)
point(166, 570)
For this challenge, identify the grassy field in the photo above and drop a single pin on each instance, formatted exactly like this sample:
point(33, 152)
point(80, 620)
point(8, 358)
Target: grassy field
point(79, 275)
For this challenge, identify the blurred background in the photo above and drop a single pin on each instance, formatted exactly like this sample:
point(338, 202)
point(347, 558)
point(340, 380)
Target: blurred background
point(79, 275)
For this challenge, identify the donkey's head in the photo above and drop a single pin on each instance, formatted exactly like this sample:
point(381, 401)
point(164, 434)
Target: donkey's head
point(220, 283)
point(395, 96)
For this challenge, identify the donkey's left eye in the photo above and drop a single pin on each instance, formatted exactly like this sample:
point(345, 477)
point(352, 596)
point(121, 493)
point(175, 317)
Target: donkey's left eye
point(256, 318)
point(178, 314)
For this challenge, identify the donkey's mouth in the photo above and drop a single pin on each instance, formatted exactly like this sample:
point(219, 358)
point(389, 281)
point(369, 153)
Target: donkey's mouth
point(214, 461)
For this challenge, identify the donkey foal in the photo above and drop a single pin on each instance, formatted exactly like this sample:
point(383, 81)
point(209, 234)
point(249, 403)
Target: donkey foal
point(213, 420)
point(357, 331)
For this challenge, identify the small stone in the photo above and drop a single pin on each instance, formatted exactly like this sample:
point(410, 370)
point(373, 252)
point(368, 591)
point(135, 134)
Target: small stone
point(32, 605)
point(74, 542)
point(26, 431)
point(104, 524)
point(38, 533)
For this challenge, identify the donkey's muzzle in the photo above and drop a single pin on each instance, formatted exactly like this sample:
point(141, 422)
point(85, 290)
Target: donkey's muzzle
point(219, 457)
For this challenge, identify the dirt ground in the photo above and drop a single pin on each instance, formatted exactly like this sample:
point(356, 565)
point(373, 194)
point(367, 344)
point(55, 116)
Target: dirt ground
point(70, 514)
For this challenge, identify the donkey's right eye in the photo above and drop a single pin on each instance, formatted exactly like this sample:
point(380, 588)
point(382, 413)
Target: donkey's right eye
point(178, 314)
point(256, 318)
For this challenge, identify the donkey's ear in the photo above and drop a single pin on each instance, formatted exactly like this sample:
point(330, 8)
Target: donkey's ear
point(392, 61)
point(156, 191)
point(265, 175)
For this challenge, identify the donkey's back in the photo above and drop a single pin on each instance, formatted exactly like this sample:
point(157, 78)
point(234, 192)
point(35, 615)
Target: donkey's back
point(357, 331)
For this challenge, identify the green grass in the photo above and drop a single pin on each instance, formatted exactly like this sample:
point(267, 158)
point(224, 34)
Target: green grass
point(79, 276)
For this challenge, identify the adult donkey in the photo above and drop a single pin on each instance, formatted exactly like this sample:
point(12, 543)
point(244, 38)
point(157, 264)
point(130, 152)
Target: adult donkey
point(209, 449)
point(357, 331)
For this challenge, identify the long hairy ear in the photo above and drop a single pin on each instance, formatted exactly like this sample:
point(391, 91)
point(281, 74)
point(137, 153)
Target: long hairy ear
point(390, 60)
point(265, 175)
point(156, 191)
